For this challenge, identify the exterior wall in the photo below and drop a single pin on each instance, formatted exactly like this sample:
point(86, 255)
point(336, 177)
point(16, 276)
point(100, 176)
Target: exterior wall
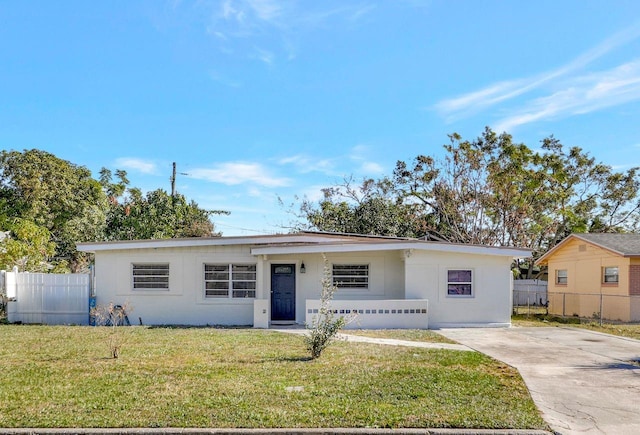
point(393, 275)
point(634, 309)
point(490, 303)
point(184, 302)
point(634, 290)
point(580, 296)
point(386, 277)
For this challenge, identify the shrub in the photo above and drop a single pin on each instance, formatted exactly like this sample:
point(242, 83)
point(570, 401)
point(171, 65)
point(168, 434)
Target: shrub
point(112, 316)
point(325, 325)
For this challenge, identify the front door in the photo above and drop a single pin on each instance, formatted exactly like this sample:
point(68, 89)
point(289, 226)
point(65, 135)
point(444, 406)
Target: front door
point(283, 292)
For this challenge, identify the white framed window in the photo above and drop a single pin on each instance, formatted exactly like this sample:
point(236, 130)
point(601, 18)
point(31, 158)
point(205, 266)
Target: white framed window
point(150, 276)
point(561, 276)
point(229, 280)
point(610, 275)
point(460, 282)
point(351, 276)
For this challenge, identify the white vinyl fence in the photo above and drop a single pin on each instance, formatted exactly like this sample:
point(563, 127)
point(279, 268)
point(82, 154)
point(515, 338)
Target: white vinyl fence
point(530, 296)
point(47, 298)
point(529, 292)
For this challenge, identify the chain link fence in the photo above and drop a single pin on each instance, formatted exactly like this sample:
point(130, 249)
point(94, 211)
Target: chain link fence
point(595, 307)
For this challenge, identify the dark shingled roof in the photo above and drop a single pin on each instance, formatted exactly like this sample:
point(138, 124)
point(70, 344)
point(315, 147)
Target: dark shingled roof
point(625, 244)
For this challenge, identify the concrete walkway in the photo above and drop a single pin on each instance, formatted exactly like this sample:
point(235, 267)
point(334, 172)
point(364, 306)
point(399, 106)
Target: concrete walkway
point(394, 342)
point(584, 382)
point(384, 341)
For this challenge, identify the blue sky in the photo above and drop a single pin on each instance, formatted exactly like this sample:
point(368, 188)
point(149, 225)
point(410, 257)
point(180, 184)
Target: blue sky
point(260, 99)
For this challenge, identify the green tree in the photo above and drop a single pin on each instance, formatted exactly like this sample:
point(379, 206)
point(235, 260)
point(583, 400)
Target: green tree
point(25, 245)
point(489, 190)
point(367, 208)
point(452, 194)
point(54, 194)
point(156, 215)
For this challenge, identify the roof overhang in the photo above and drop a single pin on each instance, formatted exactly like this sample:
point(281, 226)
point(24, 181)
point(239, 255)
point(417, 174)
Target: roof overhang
point(391, 246)
point(202, 241)
point(304, 243)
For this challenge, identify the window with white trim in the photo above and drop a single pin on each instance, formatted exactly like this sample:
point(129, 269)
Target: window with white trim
point(352, 276)
point(150, 276)
point(229, 280)
point(562, 277)
point(459, 282)
point(610, 275)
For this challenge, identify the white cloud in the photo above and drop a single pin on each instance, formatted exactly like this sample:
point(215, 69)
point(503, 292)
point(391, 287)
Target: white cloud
point(305, 164)
point(362, 11)
point(246, 17)
point(255, 192)
point(473, 102)
point(267, 10)
point(314, 193)
point(238, 24)
point(235, 173)
point(356, 162)
point(359, 154)
point(264, 55)
point(459, 107)
point(371, 168)
point(582, 95)
point(358, 151)
point(220, 78)
point(131, 163)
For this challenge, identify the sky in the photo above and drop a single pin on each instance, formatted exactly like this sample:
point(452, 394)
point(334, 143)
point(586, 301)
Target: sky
point(261, 102)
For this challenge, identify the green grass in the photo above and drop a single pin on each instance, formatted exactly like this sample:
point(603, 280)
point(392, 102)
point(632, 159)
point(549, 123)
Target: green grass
point(206, 377)
point(629, 330)
point(530, 310)
point(401, 334)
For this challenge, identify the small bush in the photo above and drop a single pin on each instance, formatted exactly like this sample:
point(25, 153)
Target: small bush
point(326, 324)
point(112, 316)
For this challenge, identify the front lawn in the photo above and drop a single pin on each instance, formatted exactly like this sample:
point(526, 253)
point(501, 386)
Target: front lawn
point(401, 334)
point(205, 377)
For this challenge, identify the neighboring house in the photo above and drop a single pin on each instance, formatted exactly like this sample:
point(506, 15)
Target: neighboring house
point(593, 274)
point(276, 279)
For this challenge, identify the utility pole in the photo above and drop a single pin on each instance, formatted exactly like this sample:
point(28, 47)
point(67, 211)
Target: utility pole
point(173, 181)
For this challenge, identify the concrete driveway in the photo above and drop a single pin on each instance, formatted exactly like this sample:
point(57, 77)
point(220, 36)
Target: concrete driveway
point(583, 382)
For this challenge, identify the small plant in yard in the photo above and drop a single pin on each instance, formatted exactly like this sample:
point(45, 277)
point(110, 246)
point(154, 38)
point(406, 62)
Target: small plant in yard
point(326, 324)
point(3, 308)
point(112, 316)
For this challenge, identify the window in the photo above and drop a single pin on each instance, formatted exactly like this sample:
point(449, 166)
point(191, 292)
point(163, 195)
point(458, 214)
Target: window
point(610, 275)
point(355, 276)
point(151, 276)
point(230, 280)
point(459, 282)
point(561, 276)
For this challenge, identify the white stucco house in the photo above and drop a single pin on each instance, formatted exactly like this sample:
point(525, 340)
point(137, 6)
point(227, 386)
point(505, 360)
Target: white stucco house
point(276, 279)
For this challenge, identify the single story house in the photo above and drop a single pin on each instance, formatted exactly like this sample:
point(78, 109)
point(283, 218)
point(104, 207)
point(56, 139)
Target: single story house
point(276, 279)
point(593, 274)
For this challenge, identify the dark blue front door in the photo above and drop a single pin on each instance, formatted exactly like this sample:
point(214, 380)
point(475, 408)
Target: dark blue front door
point(283, 292)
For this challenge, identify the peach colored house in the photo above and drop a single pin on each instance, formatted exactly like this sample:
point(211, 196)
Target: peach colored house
point(591, 274)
